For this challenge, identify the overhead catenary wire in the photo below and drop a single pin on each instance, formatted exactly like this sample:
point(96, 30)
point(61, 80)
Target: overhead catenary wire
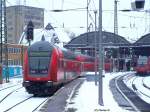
point(92, 7)
point(74, 3)
point(84, 8)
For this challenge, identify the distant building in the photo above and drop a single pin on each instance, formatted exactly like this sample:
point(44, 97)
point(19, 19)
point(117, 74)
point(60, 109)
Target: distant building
point(15, 54)
point(18, 17)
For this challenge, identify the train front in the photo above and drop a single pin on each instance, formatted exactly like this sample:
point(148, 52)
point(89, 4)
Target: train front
point(37, 63)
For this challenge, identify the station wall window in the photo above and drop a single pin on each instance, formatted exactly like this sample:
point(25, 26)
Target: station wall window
point(10, 50)
point(14, 50)
point(10, 62)
point(16, 62)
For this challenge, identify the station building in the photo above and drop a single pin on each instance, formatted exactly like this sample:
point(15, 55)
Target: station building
point(15, 54)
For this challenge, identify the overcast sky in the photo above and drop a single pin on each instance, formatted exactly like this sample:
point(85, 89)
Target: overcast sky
point(131, 25)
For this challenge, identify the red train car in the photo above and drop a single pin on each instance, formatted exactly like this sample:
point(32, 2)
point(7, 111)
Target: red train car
point(47, 66)
point(108, 65)
point(87, 62)
point(143, 65)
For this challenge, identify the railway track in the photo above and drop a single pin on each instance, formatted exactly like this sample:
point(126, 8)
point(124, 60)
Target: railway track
point(16, 98)
point(40, 104)
point(129, 98)
point(25, 104)
point(121, 91)
point(141, 88)
point(8, 87)
point(8, 94)
point(8, 109)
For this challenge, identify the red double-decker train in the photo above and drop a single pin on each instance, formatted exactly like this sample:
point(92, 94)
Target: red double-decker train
point(47, 66)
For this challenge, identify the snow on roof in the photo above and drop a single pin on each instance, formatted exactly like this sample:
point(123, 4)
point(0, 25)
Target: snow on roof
point(50, 36)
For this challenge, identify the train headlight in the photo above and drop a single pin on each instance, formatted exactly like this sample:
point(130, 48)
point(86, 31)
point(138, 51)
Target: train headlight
point(49, 83)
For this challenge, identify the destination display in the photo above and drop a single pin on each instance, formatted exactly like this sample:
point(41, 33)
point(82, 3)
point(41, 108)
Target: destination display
point(39, 54)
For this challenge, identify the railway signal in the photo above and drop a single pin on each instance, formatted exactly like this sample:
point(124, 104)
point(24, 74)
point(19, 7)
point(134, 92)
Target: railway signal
point(30, 28)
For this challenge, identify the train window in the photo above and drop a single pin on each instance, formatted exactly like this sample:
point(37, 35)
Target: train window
point(142, 60)
point(39, 63)
point(69, 55)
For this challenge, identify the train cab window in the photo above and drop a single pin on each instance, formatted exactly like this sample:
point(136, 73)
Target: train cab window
point(142, 61)
point(39, 63)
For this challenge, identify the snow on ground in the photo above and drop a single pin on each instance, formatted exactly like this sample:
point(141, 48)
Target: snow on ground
point(141, 91)
point(12, 82)
point(86, 99)
point(17, 96)
point(147, 81)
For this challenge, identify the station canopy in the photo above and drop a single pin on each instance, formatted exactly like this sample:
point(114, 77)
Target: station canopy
point(142, 46)
point(88, 40)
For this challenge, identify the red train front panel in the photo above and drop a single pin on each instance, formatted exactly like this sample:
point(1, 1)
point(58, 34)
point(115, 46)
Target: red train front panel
point(143, 65)
point(40, 68)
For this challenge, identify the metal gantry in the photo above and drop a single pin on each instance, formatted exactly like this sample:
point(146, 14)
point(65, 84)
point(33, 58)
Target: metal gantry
point(115, 17)
point(3, 38)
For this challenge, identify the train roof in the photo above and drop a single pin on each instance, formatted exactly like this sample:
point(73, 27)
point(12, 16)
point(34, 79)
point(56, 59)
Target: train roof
point(41, 45)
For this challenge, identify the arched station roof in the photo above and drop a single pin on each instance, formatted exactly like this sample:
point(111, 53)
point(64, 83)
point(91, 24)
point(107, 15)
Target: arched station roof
point(143, 41)
point(142, 45)
point(88, 39)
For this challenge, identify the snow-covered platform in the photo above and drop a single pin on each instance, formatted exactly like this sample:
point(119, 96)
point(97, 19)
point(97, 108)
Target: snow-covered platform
point(86, 98)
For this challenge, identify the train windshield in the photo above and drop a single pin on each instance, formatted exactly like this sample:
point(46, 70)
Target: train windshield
point(142, 61)
point(39, 63)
